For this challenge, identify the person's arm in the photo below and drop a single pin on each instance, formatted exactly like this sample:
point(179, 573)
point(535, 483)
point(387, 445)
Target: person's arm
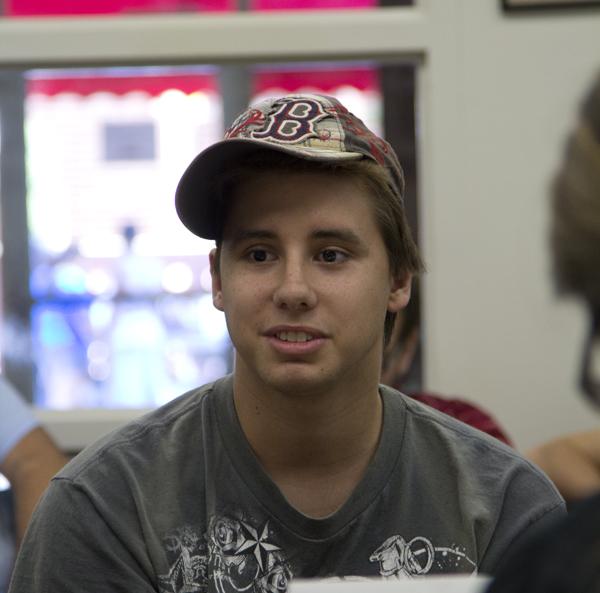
point(572, 462)
point(29, 466)
point(28, 456)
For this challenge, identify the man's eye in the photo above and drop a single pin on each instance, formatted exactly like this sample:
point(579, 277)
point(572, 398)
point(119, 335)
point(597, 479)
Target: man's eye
point(332, 256)
point(258, 255)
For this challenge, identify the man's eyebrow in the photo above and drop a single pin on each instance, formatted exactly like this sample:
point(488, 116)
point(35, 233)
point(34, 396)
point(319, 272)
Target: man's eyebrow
point(331, 234)
point(338, 234)
point(251, 234)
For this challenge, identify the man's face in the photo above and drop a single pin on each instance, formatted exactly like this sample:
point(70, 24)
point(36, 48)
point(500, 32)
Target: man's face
point(305, 283)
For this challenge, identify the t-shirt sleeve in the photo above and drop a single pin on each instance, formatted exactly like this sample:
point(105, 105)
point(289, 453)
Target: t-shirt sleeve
point(70, 548)
point(16, 418)
point(530, 503)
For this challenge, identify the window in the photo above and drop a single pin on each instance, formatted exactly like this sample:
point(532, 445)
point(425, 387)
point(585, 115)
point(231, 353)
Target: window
point(122, 314)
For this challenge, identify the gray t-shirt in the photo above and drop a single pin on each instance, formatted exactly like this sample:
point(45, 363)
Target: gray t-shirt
point(177, 502)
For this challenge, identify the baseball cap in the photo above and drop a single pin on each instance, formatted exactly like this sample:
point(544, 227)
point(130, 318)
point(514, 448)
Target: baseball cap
point(309, 126)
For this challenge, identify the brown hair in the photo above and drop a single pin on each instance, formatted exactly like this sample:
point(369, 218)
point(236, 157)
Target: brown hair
point(575, 231)
point(403, 254)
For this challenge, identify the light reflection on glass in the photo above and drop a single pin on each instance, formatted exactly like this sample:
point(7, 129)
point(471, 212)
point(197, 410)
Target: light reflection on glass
point(119, 318)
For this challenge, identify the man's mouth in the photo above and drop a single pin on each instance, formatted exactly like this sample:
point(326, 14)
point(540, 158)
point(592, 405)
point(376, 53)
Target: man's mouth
point(293, 336)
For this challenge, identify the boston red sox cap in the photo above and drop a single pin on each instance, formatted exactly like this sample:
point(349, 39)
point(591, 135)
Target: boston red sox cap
point(309, 126)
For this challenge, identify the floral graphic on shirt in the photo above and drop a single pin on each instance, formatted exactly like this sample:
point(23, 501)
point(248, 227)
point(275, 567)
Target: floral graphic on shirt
point(242, 557)
point(235, 555)
point(401, 559)
point(188, 572)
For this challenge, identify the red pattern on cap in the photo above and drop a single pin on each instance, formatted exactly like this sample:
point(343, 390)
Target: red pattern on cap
point(252, 117)
point(377, 147)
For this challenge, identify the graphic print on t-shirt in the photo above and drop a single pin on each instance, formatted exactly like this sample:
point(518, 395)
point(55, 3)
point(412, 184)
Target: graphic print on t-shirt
point(398, 558)
point(234, 555)
point(237, 554)
point(189, 570)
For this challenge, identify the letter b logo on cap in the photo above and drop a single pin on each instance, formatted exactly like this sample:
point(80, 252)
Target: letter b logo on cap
point(294, 121)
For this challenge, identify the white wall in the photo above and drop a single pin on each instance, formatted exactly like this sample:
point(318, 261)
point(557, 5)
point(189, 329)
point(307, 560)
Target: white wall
point(495, 332)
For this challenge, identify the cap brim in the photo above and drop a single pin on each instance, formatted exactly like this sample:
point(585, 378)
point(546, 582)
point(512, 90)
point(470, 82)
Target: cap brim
point(195, 201)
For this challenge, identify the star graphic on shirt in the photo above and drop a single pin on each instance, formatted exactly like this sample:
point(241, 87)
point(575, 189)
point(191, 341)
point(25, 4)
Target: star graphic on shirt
point(256, 544)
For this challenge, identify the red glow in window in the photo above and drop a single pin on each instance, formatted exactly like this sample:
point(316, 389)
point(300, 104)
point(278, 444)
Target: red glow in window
point(121, 85)
point(292, 81)
point(97, 7)
point(311, 4)
point(83, 7)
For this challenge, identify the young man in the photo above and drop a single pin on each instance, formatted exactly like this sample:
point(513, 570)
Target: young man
point(299, 464)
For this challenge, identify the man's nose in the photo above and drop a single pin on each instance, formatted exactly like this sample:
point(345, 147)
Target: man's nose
point(295, 291)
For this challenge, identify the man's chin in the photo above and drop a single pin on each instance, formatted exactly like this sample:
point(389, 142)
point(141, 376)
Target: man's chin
point(298, 381)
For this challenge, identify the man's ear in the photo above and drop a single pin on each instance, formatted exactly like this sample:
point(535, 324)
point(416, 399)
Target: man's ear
point(400, 292)
point(215, 274)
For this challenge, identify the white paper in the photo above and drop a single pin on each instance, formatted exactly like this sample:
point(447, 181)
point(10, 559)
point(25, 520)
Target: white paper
point(443, 584)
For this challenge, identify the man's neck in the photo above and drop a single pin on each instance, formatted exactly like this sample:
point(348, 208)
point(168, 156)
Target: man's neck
point(314, 446)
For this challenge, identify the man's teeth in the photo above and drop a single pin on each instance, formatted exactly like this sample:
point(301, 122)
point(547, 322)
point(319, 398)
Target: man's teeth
point(294, 336)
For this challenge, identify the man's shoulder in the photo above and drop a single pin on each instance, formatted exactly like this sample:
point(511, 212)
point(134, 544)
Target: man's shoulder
point(167, 431)
point(433, 422)
point(440, 438)
point(491, 486)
